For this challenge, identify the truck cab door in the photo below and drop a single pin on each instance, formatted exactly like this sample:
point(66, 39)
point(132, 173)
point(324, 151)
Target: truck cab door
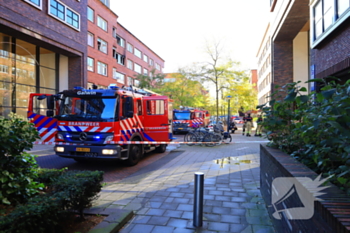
point(41, 110)
point(157, 122)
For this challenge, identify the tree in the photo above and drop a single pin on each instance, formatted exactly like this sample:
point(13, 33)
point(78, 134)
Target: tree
point(184, 91)
point(154, 80)
point(223, 73)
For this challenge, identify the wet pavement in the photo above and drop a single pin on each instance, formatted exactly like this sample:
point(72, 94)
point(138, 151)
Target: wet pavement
point(161, 195)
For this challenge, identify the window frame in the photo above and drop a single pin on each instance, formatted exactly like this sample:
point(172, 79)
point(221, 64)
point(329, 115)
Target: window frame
point(100, 19)
point(93, 40)
point(65, 14)
point(337, 20)
point(130, 48)
point(120, 77)
point(93, 14)
point(40, 6)
point(93, 64)
point(100, 46)
point(137, 53)
point(130, 64)
point(137, 66)
point(101, 67)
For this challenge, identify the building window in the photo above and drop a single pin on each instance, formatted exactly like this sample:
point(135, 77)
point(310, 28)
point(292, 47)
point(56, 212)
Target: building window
point(137, 68)
point(130, 48)
point(145, 72)
point(136, 83)
point(120, 58)
point(64, 13)
point(106, 2)
point(130, 81)
point(90, 39)
point(137, 53)
point(157, 66)
point(36, 3)
point(130, 64)
point(151, 62)
point(120, 41)
point(90, 14)
point(102, 45)
point(327, 15)
point(118, 76)
point(90, 64)
point(102, 23)
point(102, 68)
point(145, 58)
point(342, 6)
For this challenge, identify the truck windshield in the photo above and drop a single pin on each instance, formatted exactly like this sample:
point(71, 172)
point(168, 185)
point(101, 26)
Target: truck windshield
point(88, 109)
point(182, 116)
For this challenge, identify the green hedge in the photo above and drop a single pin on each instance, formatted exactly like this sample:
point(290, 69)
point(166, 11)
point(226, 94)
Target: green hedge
point(313, 128)
point(69, 192)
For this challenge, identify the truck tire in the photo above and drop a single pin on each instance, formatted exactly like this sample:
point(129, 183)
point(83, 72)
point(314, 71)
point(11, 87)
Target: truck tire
point(161, 148)
point(135, 154)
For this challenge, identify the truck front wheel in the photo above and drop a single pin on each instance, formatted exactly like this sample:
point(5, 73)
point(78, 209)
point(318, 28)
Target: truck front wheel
point(161, 148)
point(134, 155)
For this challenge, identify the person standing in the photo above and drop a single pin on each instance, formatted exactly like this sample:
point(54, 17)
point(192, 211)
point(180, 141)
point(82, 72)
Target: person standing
point(244, 124)
point(259, 127)
point(249, 124)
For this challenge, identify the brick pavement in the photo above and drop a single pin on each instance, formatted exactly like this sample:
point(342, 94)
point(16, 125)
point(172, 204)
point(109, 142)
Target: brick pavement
point(162, 199)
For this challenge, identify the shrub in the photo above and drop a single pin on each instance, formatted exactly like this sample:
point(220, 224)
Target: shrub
point(69, 192)
point(313, 128)
point(19, 169)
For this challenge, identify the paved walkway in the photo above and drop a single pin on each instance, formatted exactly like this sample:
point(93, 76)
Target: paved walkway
point(162, 198)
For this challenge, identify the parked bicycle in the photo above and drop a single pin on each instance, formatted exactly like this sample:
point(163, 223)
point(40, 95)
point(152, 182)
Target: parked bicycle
point(217, 137)
point(195, 135)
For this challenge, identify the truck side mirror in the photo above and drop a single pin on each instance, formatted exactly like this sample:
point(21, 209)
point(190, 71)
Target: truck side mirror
point(49, 113)
point(50, 102)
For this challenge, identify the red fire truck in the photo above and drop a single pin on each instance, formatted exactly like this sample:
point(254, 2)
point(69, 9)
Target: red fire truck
point(187, 118)
point(114, 123)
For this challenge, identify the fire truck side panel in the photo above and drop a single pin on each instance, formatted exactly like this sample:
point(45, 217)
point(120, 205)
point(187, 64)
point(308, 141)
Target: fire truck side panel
point(156, 119)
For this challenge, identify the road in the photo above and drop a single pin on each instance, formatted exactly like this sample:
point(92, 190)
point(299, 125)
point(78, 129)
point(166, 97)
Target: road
point(114, 171)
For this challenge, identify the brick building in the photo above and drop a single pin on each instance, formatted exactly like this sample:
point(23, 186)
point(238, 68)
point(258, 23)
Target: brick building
point(42, 49)
point(330, 39)
point(51, 45)
point(115, 55)
point(309, 39)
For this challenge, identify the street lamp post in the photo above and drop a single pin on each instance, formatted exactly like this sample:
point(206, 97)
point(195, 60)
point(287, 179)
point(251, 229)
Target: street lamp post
point(228, 114)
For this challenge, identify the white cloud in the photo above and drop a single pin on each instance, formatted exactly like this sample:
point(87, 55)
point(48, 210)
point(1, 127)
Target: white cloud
point(177, 30)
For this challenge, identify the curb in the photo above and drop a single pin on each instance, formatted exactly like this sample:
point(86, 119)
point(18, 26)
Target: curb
point(113, 222)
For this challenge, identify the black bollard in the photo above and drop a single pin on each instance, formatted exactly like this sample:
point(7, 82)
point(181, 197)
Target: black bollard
point(198, 199)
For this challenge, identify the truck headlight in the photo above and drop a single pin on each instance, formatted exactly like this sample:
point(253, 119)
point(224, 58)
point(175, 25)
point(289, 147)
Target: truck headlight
point(109, 151)
point(59, 149)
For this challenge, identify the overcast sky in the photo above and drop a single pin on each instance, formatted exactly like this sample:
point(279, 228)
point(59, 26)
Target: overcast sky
point(177, 30)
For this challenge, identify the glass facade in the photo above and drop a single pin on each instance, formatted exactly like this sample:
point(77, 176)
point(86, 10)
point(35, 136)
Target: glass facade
point(24, 68)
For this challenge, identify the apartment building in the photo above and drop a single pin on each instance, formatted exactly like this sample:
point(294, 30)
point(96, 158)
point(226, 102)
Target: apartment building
point(330, 39)
point(289, 26)
point(264, 68)
point(42, 49)
point(115, 55)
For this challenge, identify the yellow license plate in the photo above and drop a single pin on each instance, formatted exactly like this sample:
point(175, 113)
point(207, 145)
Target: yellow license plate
point(181, 128)
point(82, 149)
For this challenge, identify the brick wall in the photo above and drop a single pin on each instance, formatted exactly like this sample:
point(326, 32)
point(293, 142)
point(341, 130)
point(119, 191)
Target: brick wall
point(282, 63)
point(332, 54)
point(330, 215)
point(25, 22)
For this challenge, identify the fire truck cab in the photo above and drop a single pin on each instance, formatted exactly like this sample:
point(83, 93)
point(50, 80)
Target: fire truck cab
point(100, 124)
